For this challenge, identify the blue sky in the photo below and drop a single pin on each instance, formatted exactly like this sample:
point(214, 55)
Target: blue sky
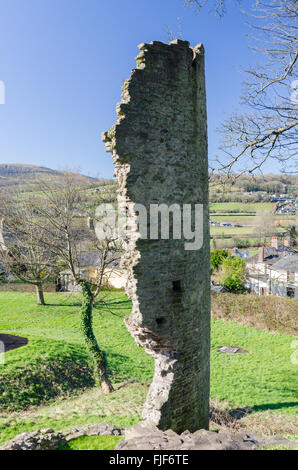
point(63, 63)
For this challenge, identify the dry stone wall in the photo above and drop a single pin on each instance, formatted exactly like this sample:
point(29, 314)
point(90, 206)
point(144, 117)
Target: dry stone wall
point(159, 147)
point(48, 439)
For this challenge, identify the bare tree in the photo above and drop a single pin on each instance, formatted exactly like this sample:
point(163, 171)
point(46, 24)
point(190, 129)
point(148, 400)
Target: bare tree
point(267, 127)
point(69, 238)
point(218, 6)
point(264, 225)
point(22, 253)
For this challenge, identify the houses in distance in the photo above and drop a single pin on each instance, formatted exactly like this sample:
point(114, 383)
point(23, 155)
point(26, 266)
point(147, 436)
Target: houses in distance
point(273, 271)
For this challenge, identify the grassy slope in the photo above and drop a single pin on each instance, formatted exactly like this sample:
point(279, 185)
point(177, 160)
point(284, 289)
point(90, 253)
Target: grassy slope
point(265, 379)
point(122, 408)
point(55, 329)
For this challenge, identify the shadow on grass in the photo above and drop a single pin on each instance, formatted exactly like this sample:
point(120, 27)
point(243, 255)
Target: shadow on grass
point(230, 417)
point(275, 406)
point(76, 304)
point(120, 302)
point(126, 383)
point(117, 308)
point(98, 304)
point(122, 367)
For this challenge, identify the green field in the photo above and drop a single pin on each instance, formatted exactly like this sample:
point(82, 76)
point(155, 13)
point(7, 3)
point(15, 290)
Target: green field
point(237, 231)
point(241, 219)
point(232, 230)
point(239, 207)
point(248, 215)
point(48, 382)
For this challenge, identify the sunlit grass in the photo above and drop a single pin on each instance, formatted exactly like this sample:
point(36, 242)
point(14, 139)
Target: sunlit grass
point(264, 379)
point(92, 443)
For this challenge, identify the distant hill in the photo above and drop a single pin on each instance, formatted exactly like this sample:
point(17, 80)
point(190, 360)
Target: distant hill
point(26, 177)
point(252, 188)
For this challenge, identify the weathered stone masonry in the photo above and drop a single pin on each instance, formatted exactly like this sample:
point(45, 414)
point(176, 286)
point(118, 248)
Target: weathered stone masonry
point(159, 147)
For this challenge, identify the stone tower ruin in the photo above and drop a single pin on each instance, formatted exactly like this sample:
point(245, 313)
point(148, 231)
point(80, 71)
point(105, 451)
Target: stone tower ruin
point(159, 148)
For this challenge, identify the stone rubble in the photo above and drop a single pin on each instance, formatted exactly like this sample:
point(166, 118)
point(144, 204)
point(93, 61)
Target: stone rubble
point(48, 439)
point(143, 437)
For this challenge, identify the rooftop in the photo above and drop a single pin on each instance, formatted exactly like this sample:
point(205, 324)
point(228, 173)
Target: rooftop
point(272, 255)
point(288, 263)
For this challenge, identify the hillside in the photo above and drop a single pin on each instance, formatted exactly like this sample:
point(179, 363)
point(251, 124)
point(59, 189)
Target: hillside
point(252, 188)
point(26, 177)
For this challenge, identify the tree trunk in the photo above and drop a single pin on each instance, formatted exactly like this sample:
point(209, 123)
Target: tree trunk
point(39, 293)
point(95, 353)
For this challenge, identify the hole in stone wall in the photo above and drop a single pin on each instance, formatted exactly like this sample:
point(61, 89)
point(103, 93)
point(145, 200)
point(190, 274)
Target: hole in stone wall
point(177, 286)
point(160, 321)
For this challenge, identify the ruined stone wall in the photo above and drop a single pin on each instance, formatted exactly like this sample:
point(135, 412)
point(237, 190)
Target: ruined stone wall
point(159, 147)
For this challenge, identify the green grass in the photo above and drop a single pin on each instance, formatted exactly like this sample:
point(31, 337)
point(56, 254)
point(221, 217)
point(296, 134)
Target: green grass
point(263, 379)
point(231, 230)
point(42, 371)
point(244, 219)
point(92, 443)
point(280, 447)
point(33, 374)
point(240, 207)
point(241, 219)
point(238, 231)
point(240, 241)
point(53, 367)
point(122, 408)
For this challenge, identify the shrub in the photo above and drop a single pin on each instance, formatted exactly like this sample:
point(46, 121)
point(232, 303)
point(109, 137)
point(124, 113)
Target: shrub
point(216, 258)
point(266, 312)
point(233, 274)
